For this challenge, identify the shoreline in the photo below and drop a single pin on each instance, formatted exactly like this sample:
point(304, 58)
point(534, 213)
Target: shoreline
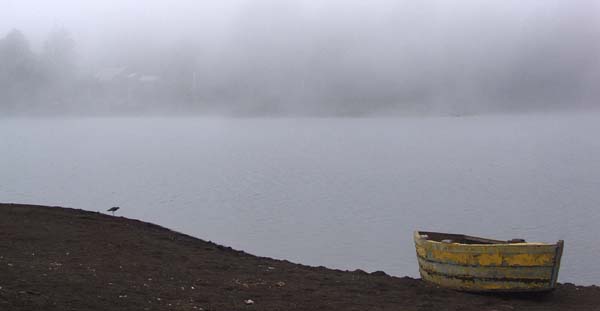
point(56, 258)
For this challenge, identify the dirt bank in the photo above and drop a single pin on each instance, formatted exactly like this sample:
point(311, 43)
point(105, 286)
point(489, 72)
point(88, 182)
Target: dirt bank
point(67, 259)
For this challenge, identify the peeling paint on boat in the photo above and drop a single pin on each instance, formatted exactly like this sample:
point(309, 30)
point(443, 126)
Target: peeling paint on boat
point(488, 266)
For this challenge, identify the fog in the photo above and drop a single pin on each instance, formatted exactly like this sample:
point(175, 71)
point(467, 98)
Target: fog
point(298, 57)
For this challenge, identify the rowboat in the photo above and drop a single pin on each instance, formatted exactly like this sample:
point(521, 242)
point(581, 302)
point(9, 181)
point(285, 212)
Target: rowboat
point(476, 264)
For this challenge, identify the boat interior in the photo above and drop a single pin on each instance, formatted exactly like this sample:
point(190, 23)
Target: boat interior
point(462, 239)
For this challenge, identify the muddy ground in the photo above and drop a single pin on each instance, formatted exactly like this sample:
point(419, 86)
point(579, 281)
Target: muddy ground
point(67, 259)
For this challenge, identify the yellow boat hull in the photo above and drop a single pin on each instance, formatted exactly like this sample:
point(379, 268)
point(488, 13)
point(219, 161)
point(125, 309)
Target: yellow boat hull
point(489, 266)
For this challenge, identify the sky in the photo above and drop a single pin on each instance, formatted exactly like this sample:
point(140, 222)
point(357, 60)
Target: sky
point(94, 19)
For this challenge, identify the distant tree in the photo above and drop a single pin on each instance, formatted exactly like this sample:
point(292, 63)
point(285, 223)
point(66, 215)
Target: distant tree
point(14, 48)
point(19, 71)
point(58, 59)
point(59, 53)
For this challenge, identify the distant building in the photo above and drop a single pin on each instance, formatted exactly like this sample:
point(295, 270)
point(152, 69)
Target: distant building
point(110, 74)
point(121, 74)
point(148, 79)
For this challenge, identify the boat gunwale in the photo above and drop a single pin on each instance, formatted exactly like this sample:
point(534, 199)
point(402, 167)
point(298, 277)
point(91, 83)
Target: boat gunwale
point(500, 243)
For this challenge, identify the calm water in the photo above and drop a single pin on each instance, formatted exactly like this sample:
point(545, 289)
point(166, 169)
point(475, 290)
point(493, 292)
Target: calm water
point(343, 193)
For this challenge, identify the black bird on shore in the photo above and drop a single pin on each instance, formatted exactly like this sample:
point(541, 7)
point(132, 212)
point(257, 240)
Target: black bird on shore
point(113, 209)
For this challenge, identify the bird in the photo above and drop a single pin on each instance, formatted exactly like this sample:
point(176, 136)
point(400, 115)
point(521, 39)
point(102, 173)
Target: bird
point(113, 209)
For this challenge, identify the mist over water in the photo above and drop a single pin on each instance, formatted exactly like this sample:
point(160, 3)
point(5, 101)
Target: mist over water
point(299, 57)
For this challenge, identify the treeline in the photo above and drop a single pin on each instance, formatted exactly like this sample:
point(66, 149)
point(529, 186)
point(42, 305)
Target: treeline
point(27, 79)
point(335, 71)
point(53, 81)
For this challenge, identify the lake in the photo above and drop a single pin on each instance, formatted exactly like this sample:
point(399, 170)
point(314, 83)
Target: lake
point(342, 193)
